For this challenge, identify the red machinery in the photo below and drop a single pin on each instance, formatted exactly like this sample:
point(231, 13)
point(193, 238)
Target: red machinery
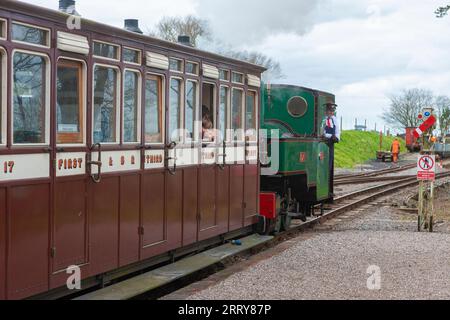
point(412, 143)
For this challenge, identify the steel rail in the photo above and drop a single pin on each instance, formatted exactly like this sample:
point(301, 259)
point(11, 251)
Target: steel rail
point(375, 173)
point(371, 179)
point(409, 182)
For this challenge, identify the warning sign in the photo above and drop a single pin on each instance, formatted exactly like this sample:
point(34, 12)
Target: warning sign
point(426, 168)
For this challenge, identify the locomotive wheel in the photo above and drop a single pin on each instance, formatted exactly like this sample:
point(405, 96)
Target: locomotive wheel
point(277, 223)
point(277, 226)
point(273, 226)
point(286, 222)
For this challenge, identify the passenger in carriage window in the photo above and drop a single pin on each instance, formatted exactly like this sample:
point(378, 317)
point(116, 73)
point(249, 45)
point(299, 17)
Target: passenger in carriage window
point(208, 134)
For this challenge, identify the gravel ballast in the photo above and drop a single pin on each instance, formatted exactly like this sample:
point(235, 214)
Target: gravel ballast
point(333, 262)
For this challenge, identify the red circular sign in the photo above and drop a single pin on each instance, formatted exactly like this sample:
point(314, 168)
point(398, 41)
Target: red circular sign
point(426, 163)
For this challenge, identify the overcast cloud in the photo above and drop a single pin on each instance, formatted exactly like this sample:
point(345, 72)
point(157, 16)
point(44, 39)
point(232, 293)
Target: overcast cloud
point(361, 50)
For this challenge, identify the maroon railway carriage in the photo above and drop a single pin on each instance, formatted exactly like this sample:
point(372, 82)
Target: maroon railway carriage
point(93, 172)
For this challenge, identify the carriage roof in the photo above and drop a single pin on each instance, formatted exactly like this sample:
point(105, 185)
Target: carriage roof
point(93, 26)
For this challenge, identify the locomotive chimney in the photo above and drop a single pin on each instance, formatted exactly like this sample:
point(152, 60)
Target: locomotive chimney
point(68, 6)
point(185, 40)
point(132, 25)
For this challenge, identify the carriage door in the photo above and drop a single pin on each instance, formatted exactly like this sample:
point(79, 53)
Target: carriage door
point(69, 245)
point(207, 190)
point(251, 171)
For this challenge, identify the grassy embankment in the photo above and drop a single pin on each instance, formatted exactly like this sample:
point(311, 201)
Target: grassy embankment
point(358, 147)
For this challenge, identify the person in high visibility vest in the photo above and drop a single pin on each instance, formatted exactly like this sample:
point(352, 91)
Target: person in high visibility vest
point(395, 149)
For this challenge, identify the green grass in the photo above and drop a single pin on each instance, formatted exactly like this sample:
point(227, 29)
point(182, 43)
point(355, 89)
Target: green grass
point(358, 147)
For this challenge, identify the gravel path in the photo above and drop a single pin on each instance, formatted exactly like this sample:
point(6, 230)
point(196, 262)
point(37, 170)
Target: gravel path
point(334, 266)
point(342, 259)
point(333, 262)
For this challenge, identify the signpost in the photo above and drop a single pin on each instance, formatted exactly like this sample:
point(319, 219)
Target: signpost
point(426, 168)
point(426, 171)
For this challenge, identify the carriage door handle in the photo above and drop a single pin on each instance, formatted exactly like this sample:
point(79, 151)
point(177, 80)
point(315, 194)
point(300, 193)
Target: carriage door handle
point(171, 146)
point(96, 177)
point(224, 155)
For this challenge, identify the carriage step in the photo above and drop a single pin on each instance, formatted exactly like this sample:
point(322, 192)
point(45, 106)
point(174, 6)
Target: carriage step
point(159, 277)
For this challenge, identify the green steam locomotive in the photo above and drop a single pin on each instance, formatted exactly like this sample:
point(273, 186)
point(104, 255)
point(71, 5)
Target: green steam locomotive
point(296, 174)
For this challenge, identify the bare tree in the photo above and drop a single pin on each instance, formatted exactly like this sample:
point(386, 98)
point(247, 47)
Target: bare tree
point(443, 112)
point(406, 106)
point(442, 11)
point(169, 28)
point(273, 67)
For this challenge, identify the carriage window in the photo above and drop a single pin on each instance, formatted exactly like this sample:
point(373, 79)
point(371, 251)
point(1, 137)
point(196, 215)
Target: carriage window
point(2, 96)
point(31, 35)
point(130, 106)
point(153, 110)
point(131, 56)
point(176, 65)
point(69, 105)
point(175, 109)
point(105, 104)
point(223, 107)
point(236, 113)
point(208, 111)
point(3, 29)
point(106, 50)
point(192, 68)
point(29, 98)
point(238, 77)
point(224, 75)
point(250, 116)
point(191, 108)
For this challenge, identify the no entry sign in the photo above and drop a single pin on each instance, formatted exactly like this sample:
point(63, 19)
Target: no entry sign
point(426, 168)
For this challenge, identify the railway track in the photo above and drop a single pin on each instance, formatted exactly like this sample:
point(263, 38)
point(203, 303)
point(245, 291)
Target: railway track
point(371, 179)
point(346, 177)
point(352, 200)
point(377, 176)
point(341, 205)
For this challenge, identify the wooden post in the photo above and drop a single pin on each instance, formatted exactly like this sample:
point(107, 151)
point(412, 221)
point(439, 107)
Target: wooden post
point(426, 190)
point(381, 141)
point(420, 207)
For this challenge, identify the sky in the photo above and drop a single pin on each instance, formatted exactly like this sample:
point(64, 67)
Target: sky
point(363, 51)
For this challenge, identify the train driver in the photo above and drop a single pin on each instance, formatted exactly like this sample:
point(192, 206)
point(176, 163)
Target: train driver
point(332, 133)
